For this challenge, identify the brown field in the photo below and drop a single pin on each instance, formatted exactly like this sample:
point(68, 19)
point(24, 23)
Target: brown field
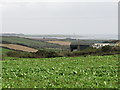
point(60, 42)
point(19, 47)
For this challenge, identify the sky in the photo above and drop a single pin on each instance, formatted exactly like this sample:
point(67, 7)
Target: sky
point(59, 17)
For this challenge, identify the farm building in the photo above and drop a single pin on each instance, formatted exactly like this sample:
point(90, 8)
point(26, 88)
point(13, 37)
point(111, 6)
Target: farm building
point(83, 44)
point(99, 45)
point(80, 45)
point(110, 43)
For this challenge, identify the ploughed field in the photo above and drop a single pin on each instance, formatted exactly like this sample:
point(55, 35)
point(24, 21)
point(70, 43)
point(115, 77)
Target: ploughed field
point(18, 47)
point(60, 42)
point(61, 72)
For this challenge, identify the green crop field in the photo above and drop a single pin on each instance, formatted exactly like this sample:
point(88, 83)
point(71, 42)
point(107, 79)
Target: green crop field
point(61, 72)
point(28, 42)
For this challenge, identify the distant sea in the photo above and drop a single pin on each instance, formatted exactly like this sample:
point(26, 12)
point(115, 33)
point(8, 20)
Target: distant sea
point(93, 37)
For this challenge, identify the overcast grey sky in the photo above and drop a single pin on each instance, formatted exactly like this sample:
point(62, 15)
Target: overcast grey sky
point(60, 17)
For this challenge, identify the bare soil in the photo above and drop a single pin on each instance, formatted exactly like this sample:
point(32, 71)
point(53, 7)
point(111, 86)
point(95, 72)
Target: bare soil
point(19, 47)
point(60, 42)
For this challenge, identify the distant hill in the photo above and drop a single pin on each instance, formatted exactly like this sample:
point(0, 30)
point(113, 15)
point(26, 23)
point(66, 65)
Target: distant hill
point(11, 34)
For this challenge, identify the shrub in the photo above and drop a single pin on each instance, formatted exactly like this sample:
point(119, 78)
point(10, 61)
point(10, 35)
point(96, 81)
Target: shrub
point(46, 54)
point(87, 51)
point(13, 54)
point(38, 54)
point(19, 54)
point(106, 48)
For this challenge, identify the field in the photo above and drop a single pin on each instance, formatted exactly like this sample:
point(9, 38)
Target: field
point(19, 47)
point(61, 72)
point(60, 42)
point(66, 70)
point(28, 42)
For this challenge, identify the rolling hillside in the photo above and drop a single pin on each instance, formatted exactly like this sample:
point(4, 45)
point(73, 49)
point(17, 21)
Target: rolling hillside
point(28, 42)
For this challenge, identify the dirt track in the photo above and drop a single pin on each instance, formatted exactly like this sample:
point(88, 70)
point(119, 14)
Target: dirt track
point(60, 42)
point(19, 47)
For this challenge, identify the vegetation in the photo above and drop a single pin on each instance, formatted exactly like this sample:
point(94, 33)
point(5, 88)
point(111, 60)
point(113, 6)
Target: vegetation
point(19, 54)
point(107, 48)
point(54, 66)
point(46, 54)
point(61, 72)
point(4, 51)
point(49, 53)
point(28, 42)
point(39, 54)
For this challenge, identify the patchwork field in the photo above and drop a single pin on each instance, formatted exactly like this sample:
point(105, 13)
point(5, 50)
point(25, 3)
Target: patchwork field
point(28, 42)
point(62, 72)
point(18, 47)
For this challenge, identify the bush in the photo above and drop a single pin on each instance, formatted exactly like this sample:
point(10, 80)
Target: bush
point(45, 54)
point(19, 54)
point(87, 51)
point(116, 48)
point(38, 54)
point(106, 48)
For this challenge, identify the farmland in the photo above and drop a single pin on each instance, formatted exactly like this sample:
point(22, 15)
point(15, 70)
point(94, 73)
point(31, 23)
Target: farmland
point(28, 42)
point(60, 42)
point(18, 47)
point(90, 68)
point(61, 72)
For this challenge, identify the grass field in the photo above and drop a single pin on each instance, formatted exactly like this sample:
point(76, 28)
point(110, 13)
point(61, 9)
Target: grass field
point(61, 72)
point(28, 42)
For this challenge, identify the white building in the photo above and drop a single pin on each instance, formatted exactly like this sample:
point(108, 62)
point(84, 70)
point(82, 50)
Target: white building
point(99, 45)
